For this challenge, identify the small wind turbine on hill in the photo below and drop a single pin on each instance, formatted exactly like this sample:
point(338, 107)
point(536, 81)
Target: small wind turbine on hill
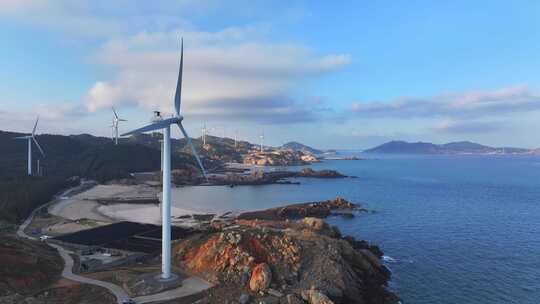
point(31, 138)
point(262, 141)
point(165, 125)
point(204, 134)
point(116, 119)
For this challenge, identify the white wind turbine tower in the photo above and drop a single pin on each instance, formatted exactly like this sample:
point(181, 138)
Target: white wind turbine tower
point(262, 141)
point(204, 130)
point(165, 125)
point(116, 119)
point(31, 138)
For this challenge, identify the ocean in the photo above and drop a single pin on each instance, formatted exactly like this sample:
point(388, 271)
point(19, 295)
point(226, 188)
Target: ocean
point(454, 229)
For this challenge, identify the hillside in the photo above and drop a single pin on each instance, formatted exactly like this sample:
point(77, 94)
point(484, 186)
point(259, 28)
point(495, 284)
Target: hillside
point(85, 156)
point(293, 145)
point(38, 265)
point(462, 147)
point(221, 148)
point(76, 155)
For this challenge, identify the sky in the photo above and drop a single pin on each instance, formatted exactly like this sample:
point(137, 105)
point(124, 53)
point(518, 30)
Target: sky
point(345, 75)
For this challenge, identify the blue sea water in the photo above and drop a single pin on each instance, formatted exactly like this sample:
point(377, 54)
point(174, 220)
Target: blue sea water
point(456, 229)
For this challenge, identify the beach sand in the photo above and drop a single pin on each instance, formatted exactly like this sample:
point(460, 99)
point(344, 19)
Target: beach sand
point(142, 213)
point(85, 205)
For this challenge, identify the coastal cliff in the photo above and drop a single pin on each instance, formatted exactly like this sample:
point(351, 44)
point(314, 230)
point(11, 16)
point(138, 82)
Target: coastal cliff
point(279, 261)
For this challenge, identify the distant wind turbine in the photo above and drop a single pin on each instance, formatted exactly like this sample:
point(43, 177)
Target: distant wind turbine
point(31, 138)
point(165, 125)
point(204, 134)
point(262, 141)
point(116, 119)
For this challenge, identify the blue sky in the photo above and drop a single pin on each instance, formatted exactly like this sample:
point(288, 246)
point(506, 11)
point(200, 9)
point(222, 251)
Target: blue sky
point(347, 75)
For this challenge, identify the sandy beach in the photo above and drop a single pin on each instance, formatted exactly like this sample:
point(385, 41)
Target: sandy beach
point(85, 205)
point(143, 213)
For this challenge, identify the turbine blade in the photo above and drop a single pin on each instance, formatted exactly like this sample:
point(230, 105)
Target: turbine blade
point(22, 137)
point(154, 126)
point(114, 111)
point(120, 119)
point(35, 126)
point(39, 147)
point(193, 149)
point(178, 94)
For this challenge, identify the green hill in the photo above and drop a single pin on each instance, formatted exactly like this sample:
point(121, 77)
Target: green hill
point(85, 156)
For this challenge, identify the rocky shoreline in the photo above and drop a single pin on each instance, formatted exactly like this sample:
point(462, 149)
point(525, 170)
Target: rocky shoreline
point(322, 209)
point(265, 257)
point(275, 177)
point(280, 255)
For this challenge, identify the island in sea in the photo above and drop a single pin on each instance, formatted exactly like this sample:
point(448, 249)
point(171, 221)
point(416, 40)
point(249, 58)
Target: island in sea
point(461, 147)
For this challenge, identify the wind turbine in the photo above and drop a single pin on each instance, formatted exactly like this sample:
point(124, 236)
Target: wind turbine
point(31, 138)
point(204, 134)
point(165, 125)
point(262, 141)
point(116, 119)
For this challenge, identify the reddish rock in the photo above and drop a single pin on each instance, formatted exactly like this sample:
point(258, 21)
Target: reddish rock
point(261, 277)
point(299, 256)
point(314, 223)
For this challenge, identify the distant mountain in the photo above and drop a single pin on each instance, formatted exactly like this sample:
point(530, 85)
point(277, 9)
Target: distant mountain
point(461, 147)
point(293, 145)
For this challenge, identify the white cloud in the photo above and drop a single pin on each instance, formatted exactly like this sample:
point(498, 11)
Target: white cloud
point(229, 73)
point(469, 127)
point(466, 104)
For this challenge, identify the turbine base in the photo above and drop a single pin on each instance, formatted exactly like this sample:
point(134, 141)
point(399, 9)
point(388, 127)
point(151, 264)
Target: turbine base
point(152, 283)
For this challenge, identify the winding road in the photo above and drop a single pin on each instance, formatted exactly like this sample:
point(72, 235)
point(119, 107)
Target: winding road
point(189, 286)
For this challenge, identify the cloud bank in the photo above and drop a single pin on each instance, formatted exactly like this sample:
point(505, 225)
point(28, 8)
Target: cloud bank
point(469, 127)
point(471, 104)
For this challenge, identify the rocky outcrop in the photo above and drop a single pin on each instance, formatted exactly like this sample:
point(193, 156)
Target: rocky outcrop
point(313, 296)
point(275, 260)
point(261, 276)
point(276, 177)
point(315, 209)
point(188, 176)
point(308, 172)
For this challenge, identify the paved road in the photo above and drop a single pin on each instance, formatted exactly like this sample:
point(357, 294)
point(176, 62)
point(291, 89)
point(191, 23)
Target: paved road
point(67, 272)
point(189, 286)
point(22, 227)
